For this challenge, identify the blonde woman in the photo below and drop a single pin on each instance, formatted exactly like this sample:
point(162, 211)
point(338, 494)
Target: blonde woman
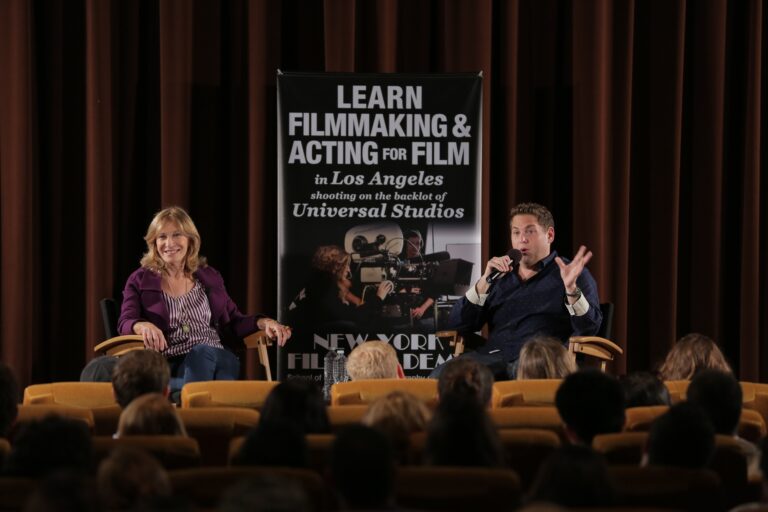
point(179, 305)
point(692, 353)
point(545, 357)
point(150, 415)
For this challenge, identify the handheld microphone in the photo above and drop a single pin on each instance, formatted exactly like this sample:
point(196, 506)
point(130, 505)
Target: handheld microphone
point(515, 256)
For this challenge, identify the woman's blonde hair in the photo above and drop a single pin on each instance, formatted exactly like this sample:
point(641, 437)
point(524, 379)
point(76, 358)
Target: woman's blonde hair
point(397, 415)
point(333, 260)
point(545, 357)
point(692, 353)
point(150, 414)
point(181, 218)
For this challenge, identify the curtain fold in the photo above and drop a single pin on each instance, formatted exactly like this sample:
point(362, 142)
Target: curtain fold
point(640, 124)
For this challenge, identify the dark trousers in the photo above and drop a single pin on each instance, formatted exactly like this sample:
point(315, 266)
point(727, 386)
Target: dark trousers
point(501, 369)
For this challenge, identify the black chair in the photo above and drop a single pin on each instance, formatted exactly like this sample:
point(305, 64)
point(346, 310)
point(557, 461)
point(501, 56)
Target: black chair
point(109, 317)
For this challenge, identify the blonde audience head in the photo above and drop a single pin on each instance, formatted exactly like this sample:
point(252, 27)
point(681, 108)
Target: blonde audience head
point(398, 415)
point(692, 353)
point(150, 414)
point(373, 360)
point(545, 357)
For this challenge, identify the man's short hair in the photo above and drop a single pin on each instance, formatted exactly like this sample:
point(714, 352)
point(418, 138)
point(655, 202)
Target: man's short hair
point(373, 360)
point(467, 377)
point(682, 437)
point(543, 215)
point(719, 395)
point(140, 372)
point(590, 403)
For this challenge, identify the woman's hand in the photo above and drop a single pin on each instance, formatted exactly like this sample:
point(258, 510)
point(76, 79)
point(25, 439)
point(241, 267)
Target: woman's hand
point(275, 330)
point(154, 339)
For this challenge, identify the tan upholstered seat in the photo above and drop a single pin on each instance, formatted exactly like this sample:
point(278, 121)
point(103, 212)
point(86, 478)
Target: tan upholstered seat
point(340, 416)
point(639, 419)
point(513, 393)
point(526, 449)
point(226, 393)
point(456, 488)
point(666, 487)
point(622, 448)
point(358, 392)
point(526, 417)
point(215, 427)
point(205, 486)
point(677, 389)
point(39, 411)
point(171, 451)
point(73, 394)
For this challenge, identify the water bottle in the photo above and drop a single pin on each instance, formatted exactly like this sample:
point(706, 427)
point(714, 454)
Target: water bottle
point(340, 364)
point(329, 373)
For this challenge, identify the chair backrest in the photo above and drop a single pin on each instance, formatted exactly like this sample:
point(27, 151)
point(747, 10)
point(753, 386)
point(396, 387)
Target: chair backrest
point(541, 417)
point(621, 448)
point(226, 393)
point(639, 419)
point(109, 317)
point(173, 452)
point(359, 392)
point(667, 487)
point(526, 449)
point(215, 427)
point(205, 486)
point(513, 393)
point(456, 488)
point(340, 416)
point(40, 411)
point(74, 394)
point(606, 326)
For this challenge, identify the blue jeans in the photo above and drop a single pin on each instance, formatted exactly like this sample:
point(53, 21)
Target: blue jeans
point(203, 363)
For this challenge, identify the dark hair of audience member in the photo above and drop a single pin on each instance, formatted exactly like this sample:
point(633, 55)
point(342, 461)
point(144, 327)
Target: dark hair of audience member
point(462, 434)
point(9, 399)
point(590, 403)
point(719, 395)
point(398, 415)
point(690, 354)
point(41, 447)
point(299, 401)
point(274, 442)
point(466, 377)
point(266, 493)
point(545, 357)
point(64, 491)
point(363, 469)
point(150, 415)
point(573, 476)
point(129, 476)
point(643, 389)
point(140, 372)
point(682, 437)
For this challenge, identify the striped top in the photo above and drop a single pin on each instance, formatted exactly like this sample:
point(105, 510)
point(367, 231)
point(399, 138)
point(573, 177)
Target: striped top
point(192, 310)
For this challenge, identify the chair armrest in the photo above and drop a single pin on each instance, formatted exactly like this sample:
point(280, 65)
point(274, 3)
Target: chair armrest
point(257, 339)
point(595, 346)
point(119, 345)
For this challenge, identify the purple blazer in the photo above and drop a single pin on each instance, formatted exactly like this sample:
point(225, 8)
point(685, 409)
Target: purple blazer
point(143, 301)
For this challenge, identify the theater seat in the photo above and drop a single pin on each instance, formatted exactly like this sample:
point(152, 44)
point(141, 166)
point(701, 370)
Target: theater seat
point(639, 419)
point(456, 488)
point(215, 427)
point(205, 486)
point(526, 449)
point(339, 416)
point(226, 393)
point(172, 452)
point(15, 492)
point(622, 448)
point(513, 393)
point(73, 394)
point(39, 411)
point(318, 445)
point(359, 392)
point(667, 487)
point(526, 417)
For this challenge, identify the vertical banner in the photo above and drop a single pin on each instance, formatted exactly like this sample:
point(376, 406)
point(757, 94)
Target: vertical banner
point(379, 181)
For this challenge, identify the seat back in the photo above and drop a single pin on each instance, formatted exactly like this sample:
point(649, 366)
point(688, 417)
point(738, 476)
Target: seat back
point(73, 394)
point(667, 487)
point(526, 449)
point(639, 419)
point(512, 393)
point(456, 488)
point(359, 392)
point(542, 417)
point(340, 416)
point(677, 389)
point(621, 448)
point(606, 326)
point(38, 411)
point(205, 486)
point(109, 315)
point(15, 492)
point(226, 393)
point(215, 427)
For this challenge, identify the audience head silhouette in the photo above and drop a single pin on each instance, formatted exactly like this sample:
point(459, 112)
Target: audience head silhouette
point(150, 414)
point(9, 398)
point(466, 377)
point(140, 372)
point(682, 437)
point(42, 447)
point(719, 395)
point(590, 403)
point(274, 442)
point(298, 401)
point(373, 360)
point(644, 389)
point(397, 415)
point(129, 477)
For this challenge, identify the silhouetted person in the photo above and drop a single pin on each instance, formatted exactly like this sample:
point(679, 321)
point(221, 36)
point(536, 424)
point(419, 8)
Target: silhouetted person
point(64, 491)
point(275, 442)
point(466, 377)
point(265, 494)
point(298, 401)
point(644, 389)
point(9, 399)
point(590, 403)
point(130, 476)
point(682, 437)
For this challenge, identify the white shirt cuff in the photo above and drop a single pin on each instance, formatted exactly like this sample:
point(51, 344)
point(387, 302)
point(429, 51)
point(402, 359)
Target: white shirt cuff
point(474, 297)
point(578, 308)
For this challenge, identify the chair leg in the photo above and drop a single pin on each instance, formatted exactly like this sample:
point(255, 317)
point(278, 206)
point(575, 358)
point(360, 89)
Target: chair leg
point(264, 360)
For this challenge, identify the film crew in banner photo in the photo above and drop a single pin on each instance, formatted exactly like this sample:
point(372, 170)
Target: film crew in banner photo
point(379, 229)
